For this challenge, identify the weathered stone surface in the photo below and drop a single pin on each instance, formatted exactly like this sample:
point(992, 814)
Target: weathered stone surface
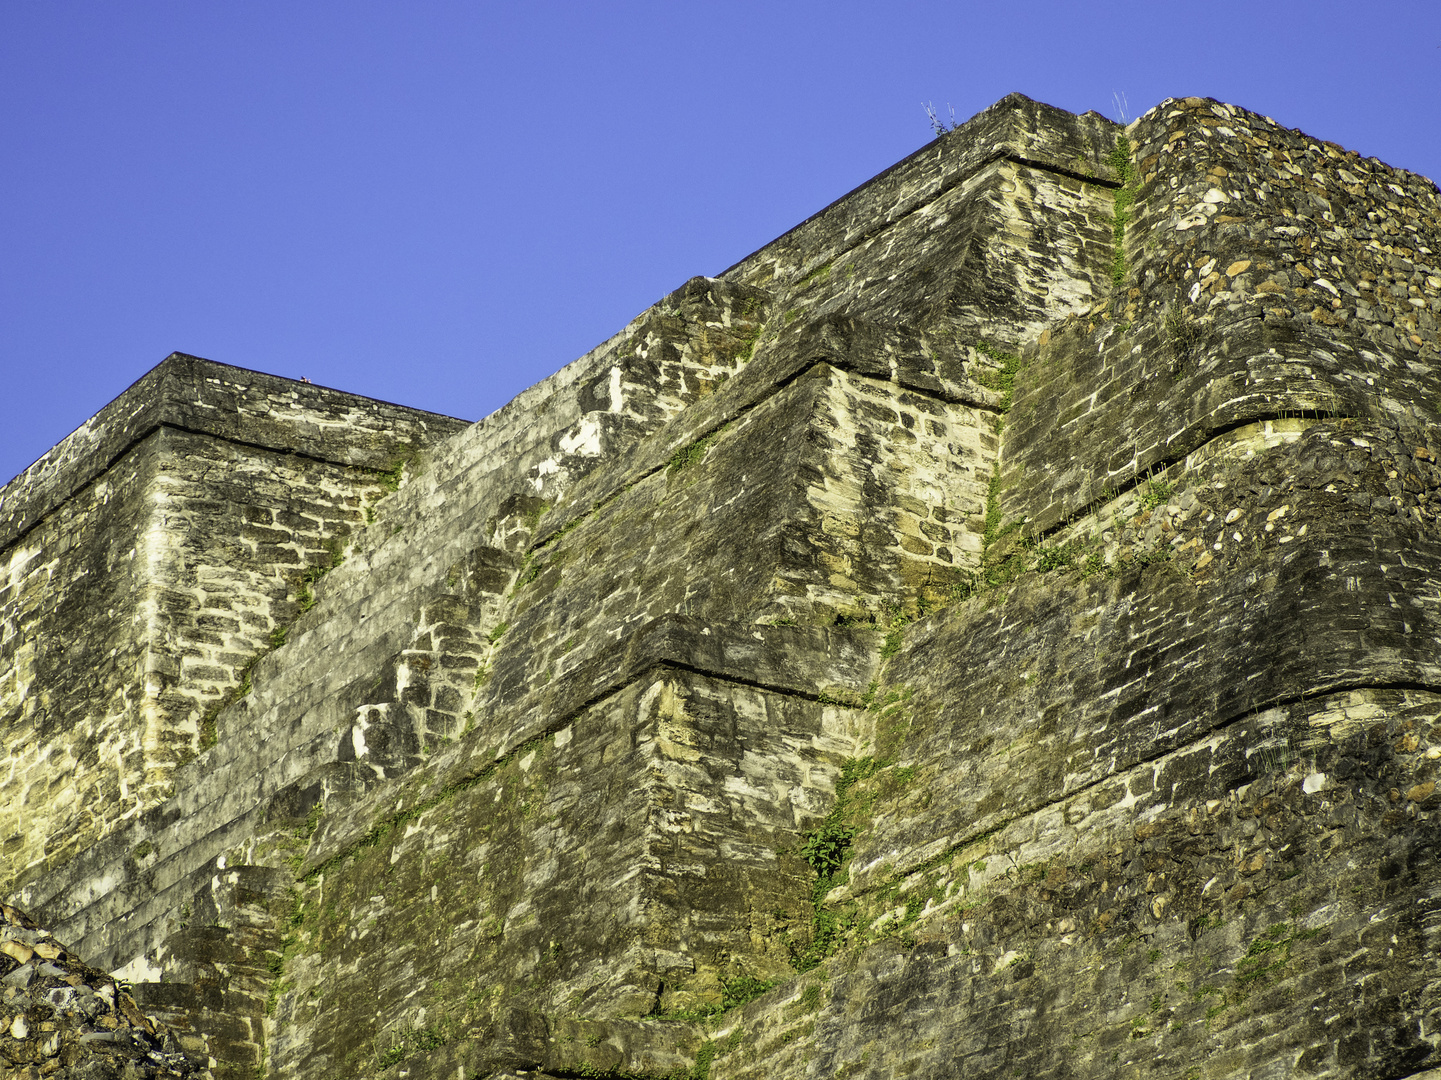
point(992, 630)
point(149, 559)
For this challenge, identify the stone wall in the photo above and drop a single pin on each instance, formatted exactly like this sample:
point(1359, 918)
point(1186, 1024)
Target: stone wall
point(149, 558)
point(991, 629)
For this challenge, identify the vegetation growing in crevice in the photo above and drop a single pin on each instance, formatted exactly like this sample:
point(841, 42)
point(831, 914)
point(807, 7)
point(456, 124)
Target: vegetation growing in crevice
point(687, 456)
point(528, 573)
point(1006, 553)
point(695, 453)
point(826, 849)
point(318, 908)
point(305, 585)
point(1125, 195)
point(896, 623)
point(1265, 958)
point(389, 479)
point(816, 276)
point(533, 515)
point(749, 310)
point(1158, 492)
point(739, 990)
point(1182, 332)
point(1002, 378)
point(411, 1041)
point(748, 343)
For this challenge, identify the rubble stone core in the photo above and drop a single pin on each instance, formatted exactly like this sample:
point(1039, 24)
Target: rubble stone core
point(992, 630)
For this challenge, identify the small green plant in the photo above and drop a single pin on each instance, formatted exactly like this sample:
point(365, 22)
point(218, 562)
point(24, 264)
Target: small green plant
point(742, 990)
point(411, 1042)
point(962, 584)
point(892, 644)
point(499, 632)
point(304, 589)
point(277, 636)
point(390, 478)
point(1057, 557)
point(825, 849)
point(816, 276)
point(1157, 493)
point(1003, 377)
point(939, 125)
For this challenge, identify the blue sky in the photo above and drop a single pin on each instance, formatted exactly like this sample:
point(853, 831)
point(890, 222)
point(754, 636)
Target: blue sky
point(440, 203)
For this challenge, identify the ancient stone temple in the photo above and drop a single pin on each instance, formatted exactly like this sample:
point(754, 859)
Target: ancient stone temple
point(990, 631)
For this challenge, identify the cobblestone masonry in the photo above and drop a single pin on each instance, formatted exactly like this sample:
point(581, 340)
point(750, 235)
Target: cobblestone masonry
point(991, 630)
point(61, 1018)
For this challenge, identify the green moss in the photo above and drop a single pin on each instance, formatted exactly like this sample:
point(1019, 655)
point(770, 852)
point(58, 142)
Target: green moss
point(1003, 377)
point(703, 1058)
point(312, 822)
point(390, 476)
point(742, 990)
point(305, 585)
point(816, 276)
point(528, 573)
point(534, 514)
point(1269, 953)
point(688, 456)
point(893, 642)
point(694, 454)
point(749, 339)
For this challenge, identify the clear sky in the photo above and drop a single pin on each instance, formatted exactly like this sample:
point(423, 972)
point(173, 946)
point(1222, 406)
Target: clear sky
point(440, 203)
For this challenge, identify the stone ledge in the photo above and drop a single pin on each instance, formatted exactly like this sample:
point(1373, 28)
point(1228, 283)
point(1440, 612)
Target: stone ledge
point(224, 402)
